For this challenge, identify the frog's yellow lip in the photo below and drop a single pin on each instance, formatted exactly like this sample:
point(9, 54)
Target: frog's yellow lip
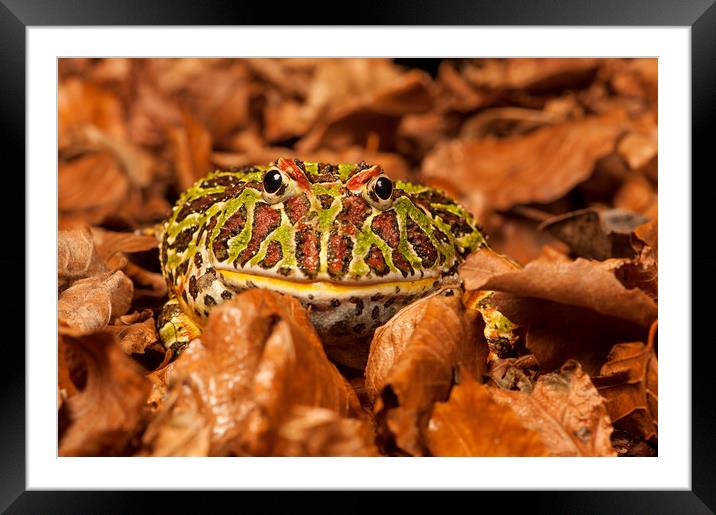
point(327, 288)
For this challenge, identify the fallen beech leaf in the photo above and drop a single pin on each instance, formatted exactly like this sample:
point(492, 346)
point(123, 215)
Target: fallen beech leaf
point(639, 196)
point(146, 283)
point(514, 373)
point(537, 167)
point(558, 332)
point(89, 304)
point(412, 360)
point(77, 257)
point(322, 432)
point(109, 243)
point(92, 186)
point(566, 410)
point(471, 423)
point(257, 357)
point(81, 103)
point(483, 264)
point(179, 429)
point(108, 411)
point(579, 283)
point(536, 74)
point(378, 113)
point(629, 382)
point(596, 234)
point(136, 337)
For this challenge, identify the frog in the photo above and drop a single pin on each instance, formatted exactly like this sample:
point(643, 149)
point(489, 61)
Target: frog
point(350, 243)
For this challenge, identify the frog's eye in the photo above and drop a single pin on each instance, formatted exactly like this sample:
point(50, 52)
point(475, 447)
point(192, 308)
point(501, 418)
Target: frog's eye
point(277, 186)
point(379, 192)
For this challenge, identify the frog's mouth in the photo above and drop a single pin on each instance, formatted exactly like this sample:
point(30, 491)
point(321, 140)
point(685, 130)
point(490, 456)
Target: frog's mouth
point(322, 289)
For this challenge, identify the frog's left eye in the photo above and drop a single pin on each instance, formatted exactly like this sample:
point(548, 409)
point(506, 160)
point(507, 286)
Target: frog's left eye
point(379, 192)
point(277, 186)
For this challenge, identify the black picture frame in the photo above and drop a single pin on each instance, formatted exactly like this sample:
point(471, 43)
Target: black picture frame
point(17, 15)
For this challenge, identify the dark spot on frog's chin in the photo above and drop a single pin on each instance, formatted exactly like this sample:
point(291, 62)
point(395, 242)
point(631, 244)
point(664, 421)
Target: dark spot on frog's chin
point(376, 297)
point(397, 289)
point(339, 329)
point(375, 313)
point(226, 295)
point(389, 303)
point(209, 300)
point(310, 296)
point(193, 290)
point(206, 313)
point(197, 312)
point(359, 305)
point(335, 303)
point(449, 293)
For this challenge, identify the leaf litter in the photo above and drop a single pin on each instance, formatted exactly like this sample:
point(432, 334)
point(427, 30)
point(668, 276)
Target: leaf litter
point(557, 159)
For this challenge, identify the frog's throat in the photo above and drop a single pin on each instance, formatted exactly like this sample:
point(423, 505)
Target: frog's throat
point(323, 289)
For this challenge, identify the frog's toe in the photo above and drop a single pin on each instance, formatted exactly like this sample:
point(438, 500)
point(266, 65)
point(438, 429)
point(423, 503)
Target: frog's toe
point(176, 329)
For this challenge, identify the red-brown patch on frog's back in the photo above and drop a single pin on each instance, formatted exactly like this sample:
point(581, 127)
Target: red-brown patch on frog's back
point(308, 247)
point(274, 254)
point(232, 226)
point(385, 225)
point(340, 252)
point(421, 243)
point(297, 207)
point(376, 261)
point(355, 210)
point(266, 220)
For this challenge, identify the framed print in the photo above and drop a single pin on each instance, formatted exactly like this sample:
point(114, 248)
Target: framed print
point(417, 253)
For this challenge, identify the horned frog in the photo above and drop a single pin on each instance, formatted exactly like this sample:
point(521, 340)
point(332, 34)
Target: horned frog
point(351, 244)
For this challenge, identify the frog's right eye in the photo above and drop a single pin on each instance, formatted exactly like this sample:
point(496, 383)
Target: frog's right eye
point(277, 186)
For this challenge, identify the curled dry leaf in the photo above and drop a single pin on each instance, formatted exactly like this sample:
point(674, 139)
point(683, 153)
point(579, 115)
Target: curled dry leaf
point(258, 357)
point(109, 410)
point(135, 333)
point(566, 410)
point(412, 361)
point(535, 74)
point(379, 114)
point(109, 243)
point(91, 187)
point(596, 234)
point(629, 381)
point(471, 423)
point(580, 283)
point(322, 432)
point(537, 167)
point(77, 257)
point(90, 304)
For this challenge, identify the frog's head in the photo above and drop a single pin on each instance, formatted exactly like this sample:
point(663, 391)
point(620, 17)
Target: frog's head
point(293, 225)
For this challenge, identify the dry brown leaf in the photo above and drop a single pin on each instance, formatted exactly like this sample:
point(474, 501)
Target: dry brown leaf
point(596, 234)
point(257, 357)
point(91, 186)
point(321, 432)
point(77, 257)
point(566, 410)
point(379, 114)
point(471, 423)
point(412, 360)
point(629, 381)
point(90, 304)
point(535, 74)
point(537, 167)
point(109, 243)
point(108, 411)
point(136, 336)
point(81, 103)
point(485, 263)
point(580, 283)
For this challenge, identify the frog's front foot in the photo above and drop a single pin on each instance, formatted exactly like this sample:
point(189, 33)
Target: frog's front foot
point(176, 329)
point(500, 332)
